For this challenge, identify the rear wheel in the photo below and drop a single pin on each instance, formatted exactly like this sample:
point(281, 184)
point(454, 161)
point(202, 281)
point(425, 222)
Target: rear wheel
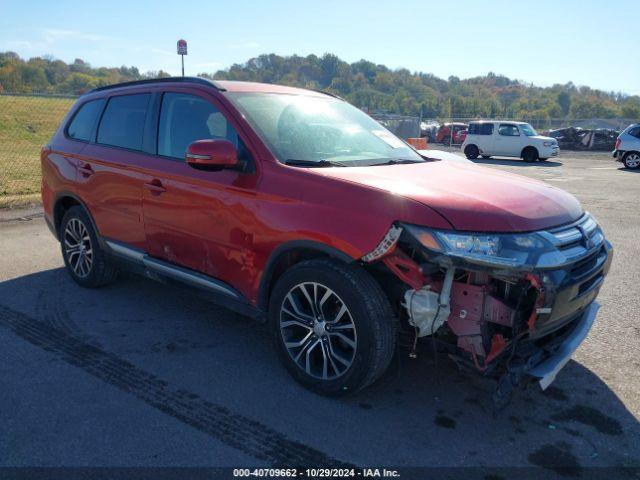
point(84, 258)
point(332, 325)
point(631, 160)
point(529, 154)
point(472, 152)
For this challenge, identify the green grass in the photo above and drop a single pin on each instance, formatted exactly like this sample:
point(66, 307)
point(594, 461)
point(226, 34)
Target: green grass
point(26, 123)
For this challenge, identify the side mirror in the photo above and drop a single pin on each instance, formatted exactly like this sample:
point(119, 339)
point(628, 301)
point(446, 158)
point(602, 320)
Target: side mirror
point(212, 154)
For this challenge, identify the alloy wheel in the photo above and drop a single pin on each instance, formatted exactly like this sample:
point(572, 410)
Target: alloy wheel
point(632, 160)
point(77, 246)
point(318, 331)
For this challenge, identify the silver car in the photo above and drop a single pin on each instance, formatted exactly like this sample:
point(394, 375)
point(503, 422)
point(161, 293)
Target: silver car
point(628, 147)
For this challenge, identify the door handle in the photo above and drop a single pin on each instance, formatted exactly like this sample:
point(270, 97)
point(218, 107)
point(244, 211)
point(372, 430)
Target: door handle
point(85, 170)
point(155, 187)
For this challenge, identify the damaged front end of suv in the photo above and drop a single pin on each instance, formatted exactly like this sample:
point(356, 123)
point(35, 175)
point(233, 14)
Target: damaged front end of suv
point(512, 306)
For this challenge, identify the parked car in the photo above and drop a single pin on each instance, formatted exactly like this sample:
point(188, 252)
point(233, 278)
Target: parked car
point(429, 130)
point(576, 138)
point(627, 148)
point(508, 139)
point(459, 137)
point(448, 132)
point(298, 209)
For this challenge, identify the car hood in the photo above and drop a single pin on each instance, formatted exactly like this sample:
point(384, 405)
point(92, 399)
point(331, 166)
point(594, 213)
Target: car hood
point(543, 138)
point(470, 197)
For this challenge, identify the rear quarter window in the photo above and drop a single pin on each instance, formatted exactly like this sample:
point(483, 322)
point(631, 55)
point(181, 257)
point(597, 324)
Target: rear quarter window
point(84, 121)
point(635, 132)
point(481, 129)
point(122, 123)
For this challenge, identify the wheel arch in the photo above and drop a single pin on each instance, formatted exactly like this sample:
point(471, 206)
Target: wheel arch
point(469, 145)
point(287, 255)
point(530, 147)
point(63, 202)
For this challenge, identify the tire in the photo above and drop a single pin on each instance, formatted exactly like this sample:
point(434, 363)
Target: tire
point(486, 156)
point(471, 152)
point(339, 356)
point(84, 258)
point(530, 154)
point(631, 160)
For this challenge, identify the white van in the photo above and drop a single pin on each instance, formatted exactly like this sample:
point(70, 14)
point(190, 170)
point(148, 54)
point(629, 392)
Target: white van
point(508, 139)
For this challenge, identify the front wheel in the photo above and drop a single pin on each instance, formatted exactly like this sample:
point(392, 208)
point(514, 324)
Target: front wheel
point(471, 152)
point(631, 160)
point(333, 326)
point(530, 155)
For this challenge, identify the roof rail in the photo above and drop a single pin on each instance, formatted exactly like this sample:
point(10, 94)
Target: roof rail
point(202, 81)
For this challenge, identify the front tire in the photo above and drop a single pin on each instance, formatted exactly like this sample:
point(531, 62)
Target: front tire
point(84, 258)
point(332, 325)
point(530, 154)
point(631, 160)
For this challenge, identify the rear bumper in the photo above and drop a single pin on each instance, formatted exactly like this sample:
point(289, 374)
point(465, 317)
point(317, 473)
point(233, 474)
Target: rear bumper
point(618, 154)
point(560, 354)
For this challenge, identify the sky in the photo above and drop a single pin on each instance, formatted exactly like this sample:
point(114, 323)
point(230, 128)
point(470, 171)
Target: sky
point(587, 42)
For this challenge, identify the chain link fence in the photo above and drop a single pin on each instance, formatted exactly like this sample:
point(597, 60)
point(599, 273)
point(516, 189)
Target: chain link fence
point(546, 124)
point(27, 122)
point(403, 126)
point(573, 134)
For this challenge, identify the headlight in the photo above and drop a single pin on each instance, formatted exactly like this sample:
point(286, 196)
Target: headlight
point(549, 144)
point(497, 250)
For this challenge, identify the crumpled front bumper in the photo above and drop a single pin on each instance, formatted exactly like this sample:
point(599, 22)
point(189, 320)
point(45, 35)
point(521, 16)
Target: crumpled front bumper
point(547, 369)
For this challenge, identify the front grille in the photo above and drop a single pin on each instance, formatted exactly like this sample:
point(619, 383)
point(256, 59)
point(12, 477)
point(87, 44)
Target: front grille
point(578, 274)
point(576, 241)
point(582, 267)
point(570, 236)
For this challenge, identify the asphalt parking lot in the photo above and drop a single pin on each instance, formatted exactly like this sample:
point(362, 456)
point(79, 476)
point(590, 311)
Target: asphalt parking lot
point(135, 374)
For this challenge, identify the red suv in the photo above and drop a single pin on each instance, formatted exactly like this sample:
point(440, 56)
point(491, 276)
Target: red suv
point(451, 133)
point(296, 208)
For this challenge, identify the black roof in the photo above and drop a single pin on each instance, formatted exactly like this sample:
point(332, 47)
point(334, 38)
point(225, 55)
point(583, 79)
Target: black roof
point(202, 81)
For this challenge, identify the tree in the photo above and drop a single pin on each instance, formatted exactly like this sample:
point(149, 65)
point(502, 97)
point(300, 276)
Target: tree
point(564, 100)
point(367, 85)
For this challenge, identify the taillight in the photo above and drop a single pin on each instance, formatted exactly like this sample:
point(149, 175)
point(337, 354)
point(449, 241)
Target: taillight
point(617, 143)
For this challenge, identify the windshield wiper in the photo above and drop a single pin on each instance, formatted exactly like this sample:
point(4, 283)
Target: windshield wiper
point(398, 161)
point(311, 163)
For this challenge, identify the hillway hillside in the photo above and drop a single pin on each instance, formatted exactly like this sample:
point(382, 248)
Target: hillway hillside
point(372, 87)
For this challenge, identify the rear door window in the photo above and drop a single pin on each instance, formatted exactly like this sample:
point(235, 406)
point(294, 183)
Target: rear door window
point(635, 132)
point(507, 130)
point(122, 123)
point(84, 121)
point(185, 118)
